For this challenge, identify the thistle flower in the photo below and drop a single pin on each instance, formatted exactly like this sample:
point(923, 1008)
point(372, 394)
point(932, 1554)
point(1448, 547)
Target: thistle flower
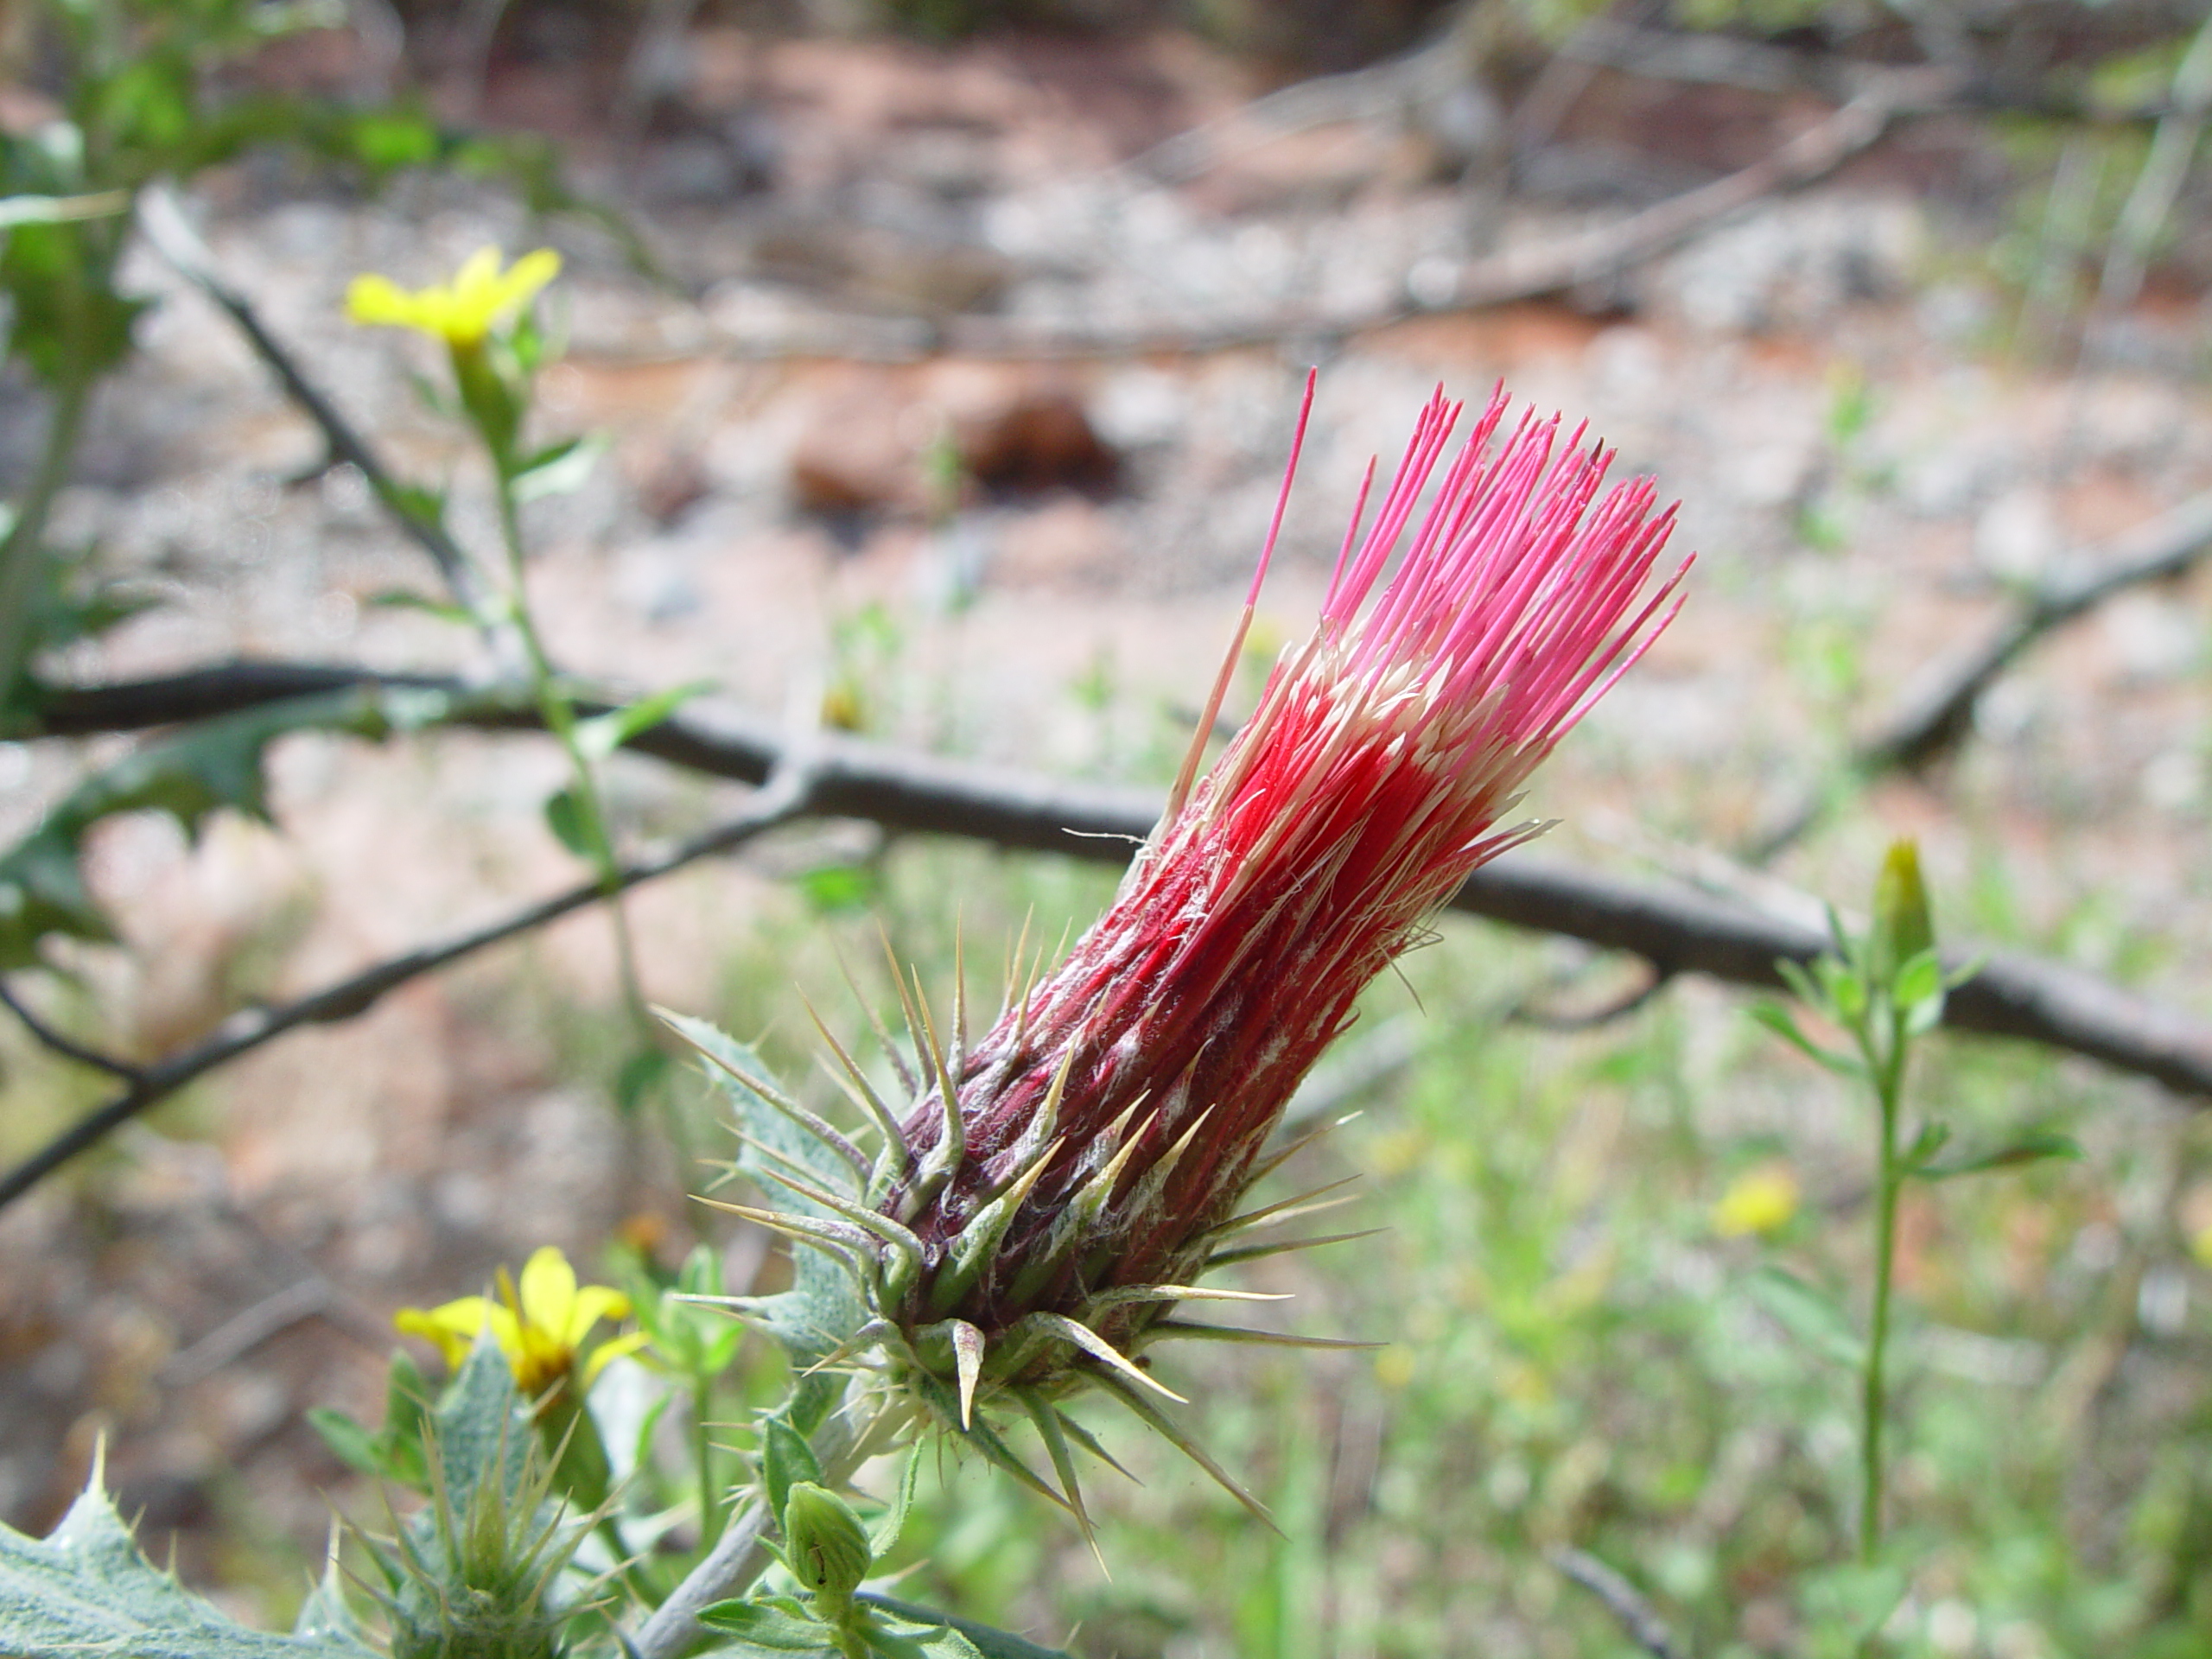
point(1053, 1191)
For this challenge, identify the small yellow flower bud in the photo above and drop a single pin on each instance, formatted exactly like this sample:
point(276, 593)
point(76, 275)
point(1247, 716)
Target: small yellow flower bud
point(1758, 1201)
point(1902, 928)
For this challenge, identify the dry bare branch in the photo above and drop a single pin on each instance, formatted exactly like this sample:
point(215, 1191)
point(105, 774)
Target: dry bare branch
point(1676, 928)
point(1934, 719)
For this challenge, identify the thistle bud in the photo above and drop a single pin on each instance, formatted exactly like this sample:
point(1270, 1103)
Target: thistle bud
point(1082, 1160)
point(824, 1544)
point(1050, 1193)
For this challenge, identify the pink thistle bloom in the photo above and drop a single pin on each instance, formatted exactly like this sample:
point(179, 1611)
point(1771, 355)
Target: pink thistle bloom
point(1108, 1125)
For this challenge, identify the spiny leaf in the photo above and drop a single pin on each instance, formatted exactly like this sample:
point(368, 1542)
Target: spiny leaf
point(1181, 1294)
point(845, 1243)
point(1046, 1418)
point(1290, 1209)
point(968, 1358)
point(895, 1234)
point(1253, 1252)
point(786, 1461)
point(1167, 1428)
point(1081, 1336)
point(893, 1520)
point(854, 1082)
point(729, 1057)
point(1164, 1330)
point(1083, 1438)
point(763, 1629)
point(985, 1440)
point(819, 1314)
point(977, 1243)
point(86, 1588)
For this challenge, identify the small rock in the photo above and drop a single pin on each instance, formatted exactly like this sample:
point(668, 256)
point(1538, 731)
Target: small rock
point(2173, 781)
point(669, 485)
point(2017, 536)
point(2154, 639)
point(1040, 440)
point(870, 449)
point(1793, 264)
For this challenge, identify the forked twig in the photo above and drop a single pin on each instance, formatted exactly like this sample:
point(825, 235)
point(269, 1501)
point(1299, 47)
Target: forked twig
point(1933, 721)
point(67, 1047)
point(787, 795)
point(1638, 1619)
point(162, 218)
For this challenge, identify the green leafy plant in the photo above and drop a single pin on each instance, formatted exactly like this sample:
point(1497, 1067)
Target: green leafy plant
point(1882, 991)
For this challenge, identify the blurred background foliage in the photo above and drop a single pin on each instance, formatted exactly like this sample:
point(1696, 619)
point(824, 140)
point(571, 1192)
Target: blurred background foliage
point(1579, 1346)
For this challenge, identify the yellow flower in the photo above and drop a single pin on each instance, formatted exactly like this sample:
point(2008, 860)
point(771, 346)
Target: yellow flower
point(1759, 1200)
point(461, 312)
point(541, 1330)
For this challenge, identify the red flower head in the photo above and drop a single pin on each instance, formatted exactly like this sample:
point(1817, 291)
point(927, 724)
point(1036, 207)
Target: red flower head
point(1057, 1188)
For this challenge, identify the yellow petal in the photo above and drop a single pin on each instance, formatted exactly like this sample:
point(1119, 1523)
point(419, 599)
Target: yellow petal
point(611, 1350)
point(476, 276)
point(595, 1303)
point(379, 302)
point(549, 1292)
point(507, 1331)
point(451, 1328)
point(462, 311)
point(532, 272)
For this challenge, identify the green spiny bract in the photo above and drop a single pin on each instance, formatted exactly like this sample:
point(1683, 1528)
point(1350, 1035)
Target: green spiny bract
point(472, 1576)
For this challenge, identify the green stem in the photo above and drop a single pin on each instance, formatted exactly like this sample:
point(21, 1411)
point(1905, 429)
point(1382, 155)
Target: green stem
point(848, 1439)
point(711, 1515)
point(1888, 1072)
point(23, 548)
point(559, 713)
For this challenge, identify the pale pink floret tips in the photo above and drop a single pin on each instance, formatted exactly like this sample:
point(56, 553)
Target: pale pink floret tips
point(1515, 608)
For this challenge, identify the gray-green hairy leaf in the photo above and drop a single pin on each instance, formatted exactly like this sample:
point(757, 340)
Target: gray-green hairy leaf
point(86, 1588)
point(823, 1309)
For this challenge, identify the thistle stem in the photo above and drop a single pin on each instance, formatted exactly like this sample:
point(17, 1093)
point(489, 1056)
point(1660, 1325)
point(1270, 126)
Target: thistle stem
point(702, 1456)
point(846, 1440)
point(1886, 1066)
